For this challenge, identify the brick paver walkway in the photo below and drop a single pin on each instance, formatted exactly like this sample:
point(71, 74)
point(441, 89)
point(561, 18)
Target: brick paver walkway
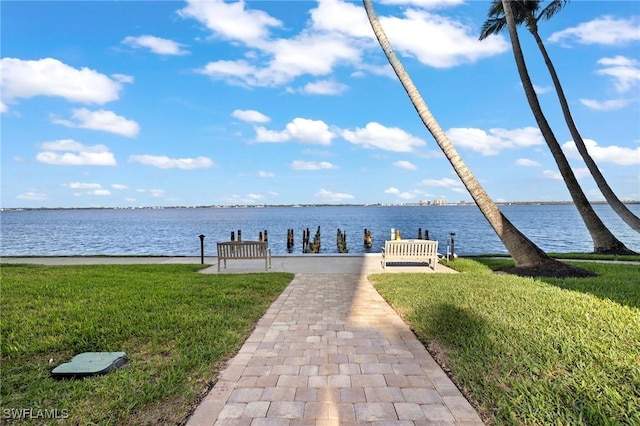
point(331, 351)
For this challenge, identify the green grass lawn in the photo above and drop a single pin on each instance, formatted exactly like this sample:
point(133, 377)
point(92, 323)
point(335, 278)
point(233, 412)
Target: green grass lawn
point(177, 327)
point(531, 351)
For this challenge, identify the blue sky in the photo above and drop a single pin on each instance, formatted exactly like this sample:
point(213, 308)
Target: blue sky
point(162, 103)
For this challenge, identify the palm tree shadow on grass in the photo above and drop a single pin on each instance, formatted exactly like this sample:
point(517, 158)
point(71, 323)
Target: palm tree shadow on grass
point(463, 332)
point(453, 325)
point(622, 296)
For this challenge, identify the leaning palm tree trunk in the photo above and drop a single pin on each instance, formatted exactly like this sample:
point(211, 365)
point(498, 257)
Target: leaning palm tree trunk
point(524, 251)
point(603, 240)
point(618, 206)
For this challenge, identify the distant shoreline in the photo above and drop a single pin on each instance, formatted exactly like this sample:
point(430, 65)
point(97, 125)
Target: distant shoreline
point(261, 206)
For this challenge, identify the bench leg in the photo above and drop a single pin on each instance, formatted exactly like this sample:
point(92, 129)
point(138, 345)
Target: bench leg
point(225, 263)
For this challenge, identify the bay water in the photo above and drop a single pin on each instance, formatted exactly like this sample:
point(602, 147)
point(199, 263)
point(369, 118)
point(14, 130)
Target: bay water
point(176, 231)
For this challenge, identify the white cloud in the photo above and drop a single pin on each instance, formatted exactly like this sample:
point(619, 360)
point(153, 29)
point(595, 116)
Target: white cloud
point(122, 78)
point(250, 115)
point(264, 174)
point(119, 186)
point(3, 107)
point(456, 43)
point(313, 54)
point(301, 130)
point(244, 199)
point(556, 175)
point(552, 174)
point(407, 165)
point(272, 136)
point(76, 154)
point(342, 17)
point(612, 154)
point(92, 188)
point(158, 45)
point(405, 195)
point(338, 34)
point(231, 21)
point(495, 140)
point(451, 184)
point(83, 185)
point(32, 196)
point(237, 72)
point(540, 90)
point(375, 135)
point(527, 163)
point(581, 172)
point(608, 105)
point(107, 121)
point(427, 4)
point(50, 77)
point(164, 162)
point(324, 87)
point(624, 72)
point(604, 31)
point(312, 165)
point(333, 196)
point(305, 54)
point(408, 195)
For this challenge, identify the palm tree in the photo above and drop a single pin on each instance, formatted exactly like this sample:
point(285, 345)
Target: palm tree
point(525, 253)
point(603, 240)
point(528, 12)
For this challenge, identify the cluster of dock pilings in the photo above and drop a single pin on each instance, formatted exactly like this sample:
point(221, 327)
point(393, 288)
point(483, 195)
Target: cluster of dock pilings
point(396, 234)
point(341, 241)
point(308, 245)
point(312, 245)
point(262, 237)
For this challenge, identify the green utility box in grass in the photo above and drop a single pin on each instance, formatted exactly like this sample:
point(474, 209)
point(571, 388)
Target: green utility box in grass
point(90, 364)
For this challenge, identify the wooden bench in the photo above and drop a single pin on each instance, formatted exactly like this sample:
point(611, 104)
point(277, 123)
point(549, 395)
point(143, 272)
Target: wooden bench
point(423, 251)
point(244, 250)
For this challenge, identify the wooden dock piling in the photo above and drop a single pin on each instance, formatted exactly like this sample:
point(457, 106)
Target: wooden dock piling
point(367, 238)
point(341, 241)
point(290, 240)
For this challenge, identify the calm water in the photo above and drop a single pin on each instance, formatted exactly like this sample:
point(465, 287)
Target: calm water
point(174, 232)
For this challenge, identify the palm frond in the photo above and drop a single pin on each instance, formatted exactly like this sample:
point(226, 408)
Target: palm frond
point(522, 10)
point(492, 26)
point(551, 9)
point(496, 8)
